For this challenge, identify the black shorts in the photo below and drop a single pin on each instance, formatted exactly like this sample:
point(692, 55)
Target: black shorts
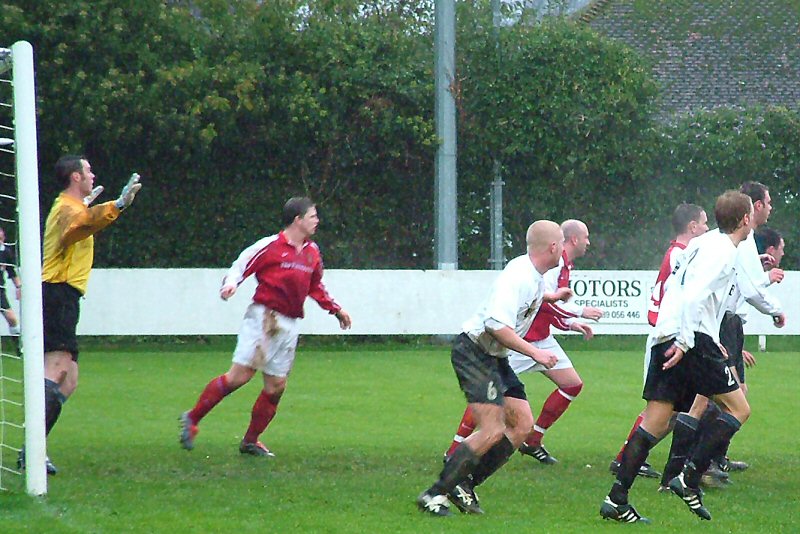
point(702, 371)
point(61, 304)
point(670, 385)
point(731, 335)
point(484, 378)
point(4, 304)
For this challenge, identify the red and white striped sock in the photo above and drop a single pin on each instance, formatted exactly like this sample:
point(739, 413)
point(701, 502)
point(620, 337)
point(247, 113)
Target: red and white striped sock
point(465, 429)
point(630, 435)
point(555, 405)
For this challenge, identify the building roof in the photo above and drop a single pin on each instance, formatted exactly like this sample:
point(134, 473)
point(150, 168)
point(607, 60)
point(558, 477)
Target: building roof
point(711, 53)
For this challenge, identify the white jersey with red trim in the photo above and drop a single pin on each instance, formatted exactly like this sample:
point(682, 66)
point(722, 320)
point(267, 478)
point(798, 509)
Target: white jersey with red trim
point(668, 264)
point(285, 276)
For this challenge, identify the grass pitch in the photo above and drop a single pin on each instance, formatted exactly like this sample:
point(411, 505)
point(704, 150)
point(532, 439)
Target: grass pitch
point(359, 433)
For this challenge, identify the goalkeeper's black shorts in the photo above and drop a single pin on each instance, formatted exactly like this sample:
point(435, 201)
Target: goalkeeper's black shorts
point(61, 303)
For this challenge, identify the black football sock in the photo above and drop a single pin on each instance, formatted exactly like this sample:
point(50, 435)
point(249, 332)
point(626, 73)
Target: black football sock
point(684, 436)
point(712, 412)
point(633, 456)
point(53, 401)
point(459, 466)
point(713, 438)
point(494, 459)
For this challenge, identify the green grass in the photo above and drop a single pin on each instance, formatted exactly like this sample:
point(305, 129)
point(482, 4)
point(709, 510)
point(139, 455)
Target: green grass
point(359, 434)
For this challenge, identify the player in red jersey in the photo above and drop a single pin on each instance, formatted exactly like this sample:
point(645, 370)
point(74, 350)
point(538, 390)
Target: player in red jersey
point(288, 268)
point(688, 222)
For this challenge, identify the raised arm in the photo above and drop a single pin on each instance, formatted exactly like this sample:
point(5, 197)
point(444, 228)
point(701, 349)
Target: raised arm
point(77, 224)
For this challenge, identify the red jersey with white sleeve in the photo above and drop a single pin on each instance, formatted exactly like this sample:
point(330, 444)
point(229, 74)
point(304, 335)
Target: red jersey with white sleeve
point(673, 254)
point(695, 300)
point(559, 314)
point(285, 276)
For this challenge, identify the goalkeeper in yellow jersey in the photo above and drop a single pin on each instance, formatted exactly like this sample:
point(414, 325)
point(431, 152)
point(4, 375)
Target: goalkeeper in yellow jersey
point(68, 255)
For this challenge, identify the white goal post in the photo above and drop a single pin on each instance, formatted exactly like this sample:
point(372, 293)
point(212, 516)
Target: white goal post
point(17, 69)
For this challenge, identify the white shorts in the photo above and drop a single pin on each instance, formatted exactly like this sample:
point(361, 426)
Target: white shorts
point(267, 341)
point(521, 363)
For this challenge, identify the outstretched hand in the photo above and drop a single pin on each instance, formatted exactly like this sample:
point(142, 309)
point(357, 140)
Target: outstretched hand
point(595, 314)
point(584, 329)
point(128, 192)
point(88, 199)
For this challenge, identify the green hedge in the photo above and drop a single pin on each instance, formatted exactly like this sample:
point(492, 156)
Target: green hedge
point(226, 109)
point(702, 155)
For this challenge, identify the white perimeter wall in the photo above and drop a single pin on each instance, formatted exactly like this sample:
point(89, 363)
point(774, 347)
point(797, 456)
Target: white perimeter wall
point(186, 301)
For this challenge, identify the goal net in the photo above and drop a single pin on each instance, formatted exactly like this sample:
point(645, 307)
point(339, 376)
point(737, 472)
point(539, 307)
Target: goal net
point(21, 354)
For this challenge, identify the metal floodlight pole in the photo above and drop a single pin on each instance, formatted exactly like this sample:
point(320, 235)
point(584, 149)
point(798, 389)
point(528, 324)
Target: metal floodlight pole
point(496, 257)
point(30, 265)
point(446, 237)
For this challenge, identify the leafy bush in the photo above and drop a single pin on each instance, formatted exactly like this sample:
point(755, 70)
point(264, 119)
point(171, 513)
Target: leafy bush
point(227, 109)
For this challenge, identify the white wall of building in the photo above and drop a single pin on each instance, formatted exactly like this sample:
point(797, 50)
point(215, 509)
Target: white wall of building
point(386, 302)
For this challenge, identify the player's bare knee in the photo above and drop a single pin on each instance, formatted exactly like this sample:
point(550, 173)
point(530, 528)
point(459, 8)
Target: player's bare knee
point(494, 434)
point(238, 375)
point(742, 413)
point(492, 428)
point(659, 425)
point(274, 385)
point(521, 423)
point(519, 433)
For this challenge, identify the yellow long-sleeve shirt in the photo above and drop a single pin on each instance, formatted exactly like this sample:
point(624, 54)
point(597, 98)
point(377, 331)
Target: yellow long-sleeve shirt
point(69, 242)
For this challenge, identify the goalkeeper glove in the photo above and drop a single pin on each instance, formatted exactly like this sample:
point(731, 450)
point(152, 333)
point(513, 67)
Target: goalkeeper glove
point(128, 192)
point(88, 199)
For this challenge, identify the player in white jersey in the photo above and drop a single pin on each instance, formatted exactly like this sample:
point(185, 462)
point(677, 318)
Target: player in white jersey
point(493, 391)
point(749, 287)
point(751, 284)
point(561, 315)
point(688, 221)
point(771, 248)
point(688, 360)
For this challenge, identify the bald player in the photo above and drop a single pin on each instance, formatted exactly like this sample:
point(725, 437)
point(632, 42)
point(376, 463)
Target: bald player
point(564, 317)
point(480, 360)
